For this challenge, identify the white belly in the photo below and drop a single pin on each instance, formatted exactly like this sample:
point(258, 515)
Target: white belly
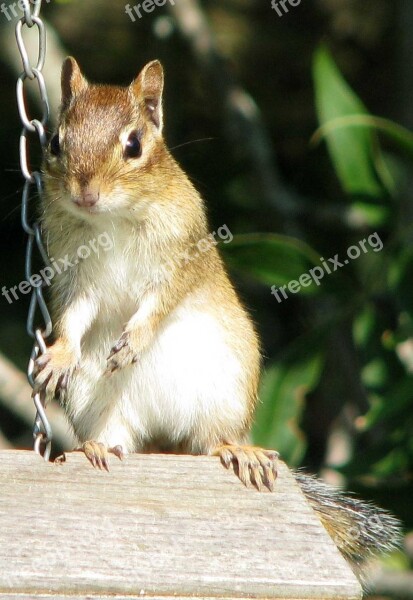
point(188, 376)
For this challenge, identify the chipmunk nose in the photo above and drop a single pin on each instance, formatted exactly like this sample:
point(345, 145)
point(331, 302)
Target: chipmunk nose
point(88, 197)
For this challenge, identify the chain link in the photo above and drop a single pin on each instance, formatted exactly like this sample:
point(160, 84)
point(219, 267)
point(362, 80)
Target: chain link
point(42, 431)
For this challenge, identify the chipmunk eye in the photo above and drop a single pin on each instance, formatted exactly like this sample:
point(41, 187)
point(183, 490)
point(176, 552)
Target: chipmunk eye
point(55, 145)
point(133, 146)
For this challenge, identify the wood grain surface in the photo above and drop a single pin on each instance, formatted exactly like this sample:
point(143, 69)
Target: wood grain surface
point(159, 526)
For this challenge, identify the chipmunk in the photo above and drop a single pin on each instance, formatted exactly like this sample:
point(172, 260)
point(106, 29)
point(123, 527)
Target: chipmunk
point(150, 354)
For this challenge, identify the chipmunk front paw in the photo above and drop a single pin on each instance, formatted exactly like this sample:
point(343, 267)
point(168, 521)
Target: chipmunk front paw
point(53, 370)
point(253, 465)
point(122, 354)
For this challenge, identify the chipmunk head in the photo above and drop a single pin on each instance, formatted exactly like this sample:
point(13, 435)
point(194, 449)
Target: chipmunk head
point(102, 157)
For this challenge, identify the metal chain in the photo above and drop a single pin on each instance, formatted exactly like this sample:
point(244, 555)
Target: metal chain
point(42, 431)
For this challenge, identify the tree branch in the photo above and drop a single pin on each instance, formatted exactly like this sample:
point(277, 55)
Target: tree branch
point(245, 128)
point(242, 115)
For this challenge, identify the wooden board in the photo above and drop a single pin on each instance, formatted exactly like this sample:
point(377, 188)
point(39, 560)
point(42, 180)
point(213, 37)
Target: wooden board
point(159, 526)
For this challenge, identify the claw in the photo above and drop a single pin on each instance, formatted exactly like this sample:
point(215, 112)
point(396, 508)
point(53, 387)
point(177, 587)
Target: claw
point(52, 370)
point(40, 385)
point(121, 355)
point(117, 451)
point(226, 457)
point(64, 380)
point(61, 384)
point(95, 452)
point(268, 461)
point(41, 362)
point(98, 454)
point(121, 343)
point(254, 466)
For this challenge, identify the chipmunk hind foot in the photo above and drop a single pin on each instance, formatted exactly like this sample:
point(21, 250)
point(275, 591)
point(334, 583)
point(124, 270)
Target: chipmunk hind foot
point(98, 454)
point(253, 465)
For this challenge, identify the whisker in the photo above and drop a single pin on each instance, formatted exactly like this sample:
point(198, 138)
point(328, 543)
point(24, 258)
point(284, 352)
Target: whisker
point(13, 210)
point(208, 139)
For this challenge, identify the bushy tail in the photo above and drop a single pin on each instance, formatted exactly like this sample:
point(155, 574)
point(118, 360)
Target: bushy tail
point(359, 529)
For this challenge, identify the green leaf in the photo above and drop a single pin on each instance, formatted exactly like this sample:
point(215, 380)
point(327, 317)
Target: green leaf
point(402, 137)
point(353, 150)
point(401, 277)
point(272, 259)
point(284, 388)
point(374, 215)
point(374, 374)
point(363, 326)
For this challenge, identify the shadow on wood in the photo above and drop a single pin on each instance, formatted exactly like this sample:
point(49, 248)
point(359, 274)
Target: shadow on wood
point(159, 526)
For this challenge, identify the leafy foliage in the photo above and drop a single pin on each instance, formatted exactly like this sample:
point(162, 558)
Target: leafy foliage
point(272, 259)
point(375, 297)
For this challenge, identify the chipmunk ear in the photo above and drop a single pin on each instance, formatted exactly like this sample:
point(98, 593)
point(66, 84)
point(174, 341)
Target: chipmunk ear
point(72, 80)
point(148, 87)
